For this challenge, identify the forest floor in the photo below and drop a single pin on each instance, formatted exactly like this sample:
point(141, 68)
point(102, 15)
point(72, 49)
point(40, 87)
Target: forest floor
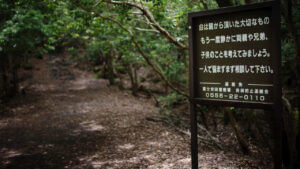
point(69, 119)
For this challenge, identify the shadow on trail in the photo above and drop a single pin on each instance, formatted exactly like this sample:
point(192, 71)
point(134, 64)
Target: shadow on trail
point(68, 119)
point(47, 147)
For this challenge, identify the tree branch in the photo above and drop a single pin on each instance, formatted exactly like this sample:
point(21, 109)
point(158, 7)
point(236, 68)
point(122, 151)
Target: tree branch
point(151, 19)
point(145, 30)
point(162, 76)
point(204, 4)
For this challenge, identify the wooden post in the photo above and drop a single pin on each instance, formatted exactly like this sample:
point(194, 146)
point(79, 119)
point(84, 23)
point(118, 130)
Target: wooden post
point(194, 139)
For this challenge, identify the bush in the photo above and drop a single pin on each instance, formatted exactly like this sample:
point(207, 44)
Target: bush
point(98, 75)
point(121, 69)
point(171, 100)
point(93, 54)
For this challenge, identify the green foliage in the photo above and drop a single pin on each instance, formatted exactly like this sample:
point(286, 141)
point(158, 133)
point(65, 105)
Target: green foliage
point(22, 32)
point(175, 70)
point(288, 64)
point(66, 24)
point(121, 69)
point(98, 75)
point(75, 55)
point(94, 53)
point(40, 26)
point(171, 100)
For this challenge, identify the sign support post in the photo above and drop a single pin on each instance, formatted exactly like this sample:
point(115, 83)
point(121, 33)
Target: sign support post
point(193, 112)
point(194, 138)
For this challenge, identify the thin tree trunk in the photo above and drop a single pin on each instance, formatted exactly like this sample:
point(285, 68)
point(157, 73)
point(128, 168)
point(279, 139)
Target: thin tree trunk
point(131, 76)
point(265, 139)
point(213, 116)
point(13, 78)
point(136, 78)
point(3, 88)
point(288, 124)
point(203, 117)
point(110, 69)
point(242, 141)
point(225, 118)
point(270, 118)
point(120, 85)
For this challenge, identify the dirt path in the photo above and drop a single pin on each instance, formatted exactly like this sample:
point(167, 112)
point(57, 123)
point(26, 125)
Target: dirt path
point(68, 119)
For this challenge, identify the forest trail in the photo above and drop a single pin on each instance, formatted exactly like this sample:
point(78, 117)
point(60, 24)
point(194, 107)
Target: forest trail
point(68, 119)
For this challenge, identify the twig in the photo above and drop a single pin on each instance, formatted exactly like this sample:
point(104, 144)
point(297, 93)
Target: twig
point(210, 141)
point(146, 30)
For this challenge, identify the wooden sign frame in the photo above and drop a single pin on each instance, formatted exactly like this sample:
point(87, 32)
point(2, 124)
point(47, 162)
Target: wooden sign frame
point(275, 46)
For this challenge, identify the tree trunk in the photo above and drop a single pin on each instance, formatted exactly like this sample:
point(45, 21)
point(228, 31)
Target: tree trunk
point(132, 79)
point(214, 118)
point(202, 116)
point(204, 119)
point(225, 118)
point(110, 69)
point(136, 78)
point(242, 141)
point(289, 142)
point(264, 138)
point(3, 87)
point(15, 80)
point(12, 88)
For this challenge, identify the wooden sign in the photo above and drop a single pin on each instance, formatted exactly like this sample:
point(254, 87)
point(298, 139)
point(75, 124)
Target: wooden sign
point(235, 55)
point(234, 61)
